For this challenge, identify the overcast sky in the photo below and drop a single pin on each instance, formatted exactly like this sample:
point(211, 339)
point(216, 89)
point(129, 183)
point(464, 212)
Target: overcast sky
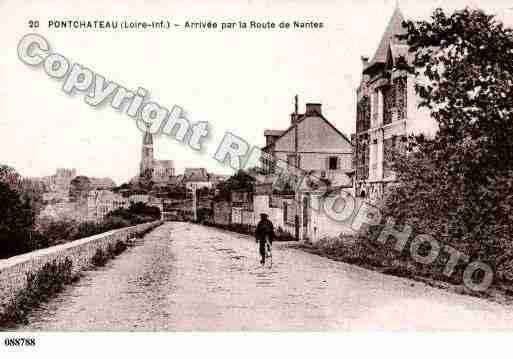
point(238, 81)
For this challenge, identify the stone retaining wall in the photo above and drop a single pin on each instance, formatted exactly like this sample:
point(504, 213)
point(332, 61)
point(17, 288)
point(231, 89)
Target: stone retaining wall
point(14, 270)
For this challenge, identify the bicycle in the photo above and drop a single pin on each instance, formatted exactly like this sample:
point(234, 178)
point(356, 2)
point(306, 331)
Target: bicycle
point(268, 251)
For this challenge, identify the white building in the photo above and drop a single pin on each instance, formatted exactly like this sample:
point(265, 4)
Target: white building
point(197, 178)
point(101, 202)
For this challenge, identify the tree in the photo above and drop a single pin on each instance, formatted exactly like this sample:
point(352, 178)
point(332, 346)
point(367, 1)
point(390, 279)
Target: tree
point(137, 213)
point(176, 191)
point(9, 176)
point(459, 184)
point(239, 181)
point(467, 62)
point(16, 221)
point(29, 190)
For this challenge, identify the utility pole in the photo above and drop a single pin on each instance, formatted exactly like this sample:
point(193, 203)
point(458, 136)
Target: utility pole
point(194, 203)
point(296, 165)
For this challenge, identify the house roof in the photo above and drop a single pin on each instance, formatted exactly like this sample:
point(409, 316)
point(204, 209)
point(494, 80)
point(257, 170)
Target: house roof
point(164, 163)
point(196, 177)
point(389, 38)
point(273, 132)
point(303, 117)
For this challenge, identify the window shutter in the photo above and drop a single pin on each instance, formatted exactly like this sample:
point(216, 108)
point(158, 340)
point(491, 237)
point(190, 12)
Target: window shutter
point(327, 164)
point(339, 163)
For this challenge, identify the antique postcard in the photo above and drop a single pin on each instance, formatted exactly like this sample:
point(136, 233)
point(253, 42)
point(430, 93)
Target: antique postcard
point(295, 166)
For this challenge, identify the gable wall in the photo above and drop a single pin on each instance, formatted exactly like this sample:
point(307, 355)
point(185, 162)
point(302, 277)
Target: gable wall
point(314, 135)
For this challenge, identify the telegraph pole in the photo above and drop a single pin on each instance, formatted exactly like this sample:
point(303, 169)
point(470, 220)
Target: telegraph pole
point(296, 156)
point(194, 203)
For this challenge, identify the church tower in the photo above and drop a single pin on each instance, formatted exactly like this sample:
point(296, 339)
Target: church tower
point(147, 154)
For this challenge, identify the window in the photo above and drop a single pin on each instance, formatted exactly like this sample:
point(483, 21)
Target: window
point(388, 103)
point(401, 97)
point(333, 163)
point(291, 160)
point(363, 115)
point(388, 149)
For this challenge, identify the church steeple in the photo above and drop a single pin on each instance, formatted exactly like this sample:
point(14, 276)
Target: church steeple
point(147, 153)
point(148, 139)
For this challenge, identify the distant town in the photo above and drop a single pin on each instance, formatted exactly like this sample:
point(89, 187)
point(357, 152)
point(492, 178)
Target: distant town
point(69, 195)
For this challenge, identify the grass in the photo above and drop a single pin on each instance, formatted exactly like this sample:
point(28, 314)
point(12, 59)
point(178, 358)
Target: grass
point(41, 286)
point(51, 279)
point(101, 257)
point(372, 255)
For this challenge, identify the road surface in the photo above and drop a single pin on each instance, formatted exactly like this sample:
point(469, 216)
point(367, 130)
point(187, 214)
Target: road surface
point(186, 277)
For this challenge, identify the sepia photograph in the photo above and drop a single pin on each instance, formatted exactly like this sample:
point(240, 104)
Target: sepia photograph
point(291, 167)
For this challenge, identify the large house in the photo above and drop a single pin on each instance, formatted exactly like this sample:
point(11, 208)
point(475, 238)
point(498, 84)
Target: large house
point(311, 144)
point(387, 111)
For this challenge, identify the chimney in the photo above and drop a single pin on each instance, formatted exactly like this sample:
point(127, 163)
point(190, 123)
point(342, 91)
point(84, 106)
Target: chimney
point(294, 116)
point(313, 109)
point(365, 62)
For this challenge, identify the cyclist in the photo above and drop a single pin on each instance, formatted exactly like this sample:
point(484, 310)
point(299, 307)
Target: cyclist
point(264, 231)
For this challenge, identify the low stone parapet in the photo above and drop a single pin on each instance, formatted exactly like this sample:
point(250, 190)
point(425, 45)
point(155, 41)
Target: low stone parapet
point(14, 270)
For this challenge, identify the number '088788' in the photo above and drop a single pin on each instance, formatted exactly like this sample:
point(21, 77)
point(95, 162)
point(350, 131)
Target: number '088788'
point(19, 342)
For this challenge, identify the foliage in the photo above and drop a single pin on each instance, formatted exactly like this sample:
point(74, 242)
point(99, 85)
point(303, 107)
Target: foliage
point(239, 181)
point(176, 191)
point(283, 236)
point(458, 185)
point(369, 253)
point(9, 176)
point(137, 213)
point(466, 62)
point(41, 286)
point(16, 222)
point(203, 214)
point(101, 257)
point(62, 231)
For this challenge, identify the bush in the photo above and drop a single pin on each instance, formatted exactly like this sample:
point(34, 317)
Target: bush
point(204, 214)
point(100, 258)
point(62, 231)
point(283, 236)
point(59, 231)
point(115, 222)
point(41, 286)
point(119, 248)
point(137, 213)
point(366, 251)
